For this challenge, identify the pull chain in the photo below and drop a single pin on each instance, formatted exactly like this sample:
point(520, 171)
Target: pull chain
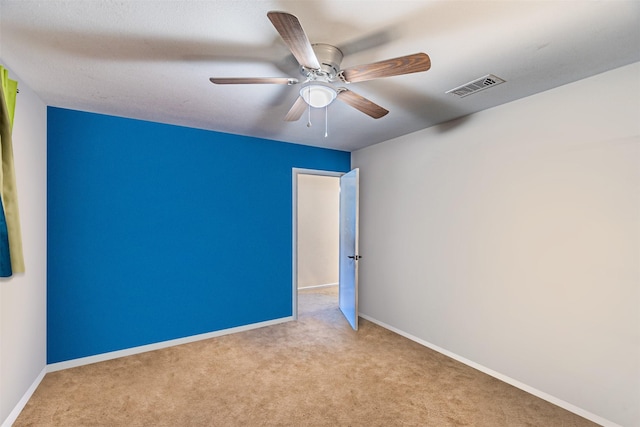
point(309, 112)
point(326, 121)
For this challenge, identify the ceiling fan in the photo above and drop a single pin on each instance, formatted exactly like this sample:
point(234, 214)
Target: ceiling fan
point(320, 67)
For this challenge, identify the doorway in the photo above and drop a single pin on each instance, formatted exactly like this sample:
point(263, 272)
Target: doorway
point(315, 230)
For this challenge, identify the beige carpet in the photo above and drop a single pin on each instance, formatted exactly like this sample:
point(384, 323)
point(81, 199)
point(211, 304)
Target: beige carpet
point(313, 372)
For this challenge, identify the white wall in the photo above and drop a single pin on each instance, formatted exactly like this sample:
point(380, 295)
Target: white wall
point(23, 297)
point(318, 230)
point(511, 239)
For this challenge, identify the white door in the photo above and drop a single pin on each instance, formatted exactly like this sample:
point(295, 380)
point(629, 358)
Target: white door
point(349, 247)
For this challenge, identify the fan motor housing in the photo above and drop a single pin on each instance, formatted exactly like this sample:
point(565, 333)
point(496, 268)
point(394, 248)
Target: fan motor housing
point(329, 58)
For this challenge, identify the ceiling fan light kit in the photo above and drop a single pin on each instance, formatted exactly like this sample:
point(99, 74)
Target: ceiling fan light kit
point(318, 95)
point(320, 66)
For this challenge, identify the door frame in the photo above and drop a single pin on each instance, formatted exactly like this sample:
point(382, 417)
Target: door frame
point(294, 232)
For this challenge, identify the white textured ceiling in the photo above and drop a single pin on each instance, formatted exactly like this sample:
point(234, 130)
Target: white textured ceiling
point(152, 59)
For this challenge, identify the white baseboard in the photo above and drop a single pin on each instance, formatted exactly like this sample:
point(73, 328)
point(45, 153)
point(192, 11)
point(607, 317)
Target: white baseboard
point(13, 415)
point(157, 346)
point(326, 285)
point(542, 395)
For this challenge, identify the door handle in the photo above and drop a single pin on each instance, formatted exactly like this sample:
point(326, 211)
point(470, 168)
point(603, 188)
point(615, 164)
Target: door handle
point(354, 257)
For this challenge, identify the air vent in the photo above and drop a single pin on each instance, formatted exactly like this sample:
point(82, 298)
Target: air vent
point(476, 86)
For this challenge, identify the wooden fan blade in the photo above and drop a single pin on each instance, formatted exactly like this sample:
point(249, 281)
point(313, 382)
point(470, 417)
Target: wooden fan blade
point(391, 67)
point(296, 110)
point(361, 103)
point(253, 80)
point(295, 38)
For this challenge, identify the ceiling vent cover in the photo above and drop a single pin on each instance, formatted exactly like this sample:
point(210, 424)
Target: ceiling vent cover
point(476, 86)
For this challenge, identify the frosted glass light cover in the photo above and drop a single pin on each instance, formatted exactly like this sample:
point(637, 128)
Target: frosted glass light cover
point(318, 96)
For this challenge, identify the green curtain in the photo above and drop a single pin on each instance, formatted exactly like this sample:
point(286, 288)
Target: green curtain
point(11, 239)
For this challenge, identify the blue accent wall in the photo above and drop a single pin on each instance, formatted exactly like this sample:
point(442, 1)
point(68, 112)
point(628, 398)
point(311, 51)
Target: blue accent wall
point(157, 232)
